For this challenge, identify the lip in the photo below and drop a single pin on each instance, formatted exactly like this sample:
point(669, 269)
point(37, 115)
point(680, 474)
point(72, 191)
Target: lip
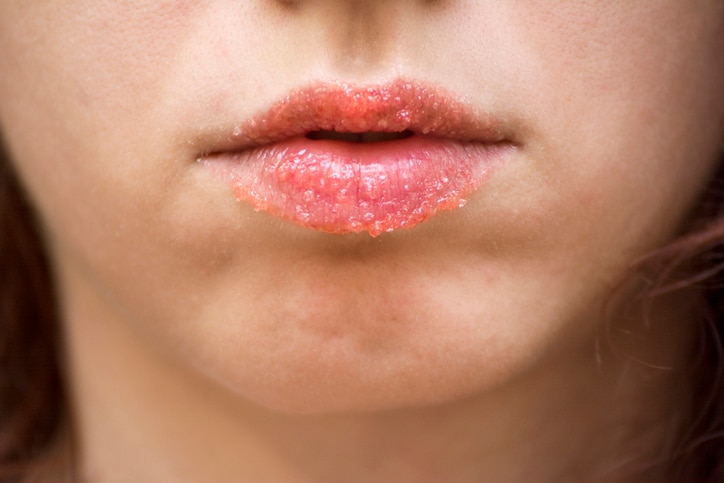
point(276, 162)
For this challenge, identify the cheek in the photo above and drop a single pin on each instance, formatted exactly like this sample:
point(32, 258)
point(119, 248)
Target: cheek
point(106, 61)
point(93, 144)
point(628, 103)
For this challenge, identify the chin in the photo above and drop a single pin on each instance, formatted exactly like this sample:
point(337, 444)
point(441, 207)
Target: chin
point(376, 347)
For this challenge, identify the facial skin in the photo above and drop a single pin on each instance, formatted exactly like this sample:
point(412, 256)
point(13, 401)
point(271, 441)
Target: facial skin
point(105, 105)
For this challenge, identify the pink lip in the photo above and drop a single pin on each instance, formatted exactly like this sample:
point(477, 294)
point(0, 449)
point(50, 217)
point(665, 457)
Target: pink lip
point(346, 187)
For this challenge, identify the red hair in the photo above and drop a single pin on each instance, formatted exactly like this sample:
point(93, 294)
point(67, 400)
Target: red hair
point(696, 260)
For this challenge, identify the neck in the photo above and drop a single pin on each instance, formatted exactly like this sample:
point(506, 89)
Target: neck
point(580, 415)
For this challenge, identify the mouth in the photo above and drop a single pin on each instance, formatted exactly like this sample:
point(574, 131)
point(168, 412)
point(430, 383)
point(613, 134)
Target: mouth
point(358, 137)
point(340, 158)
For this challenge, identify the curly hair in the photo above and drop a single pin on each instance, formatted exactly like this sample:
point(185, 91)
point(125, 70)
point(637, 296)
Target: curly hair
point(696, 260)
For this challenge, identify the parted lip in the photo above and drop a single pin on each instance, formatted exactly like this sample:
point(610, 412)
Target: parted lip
point(395, 107)
point(343, 158)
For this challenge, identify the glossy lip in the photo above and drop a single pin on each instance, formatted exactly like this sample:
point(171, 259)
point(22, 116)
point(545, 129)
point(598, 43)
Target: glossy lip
point(343, 187)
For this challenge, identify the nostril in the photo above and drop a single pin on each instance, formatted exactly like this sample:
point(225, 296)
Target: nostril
point(363, 137)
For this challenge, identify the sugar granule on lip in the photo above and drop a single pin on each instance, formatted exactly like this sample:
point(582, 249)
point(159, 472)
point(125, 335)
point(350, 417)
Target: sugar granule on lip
point(397, 106)
point(343, 159)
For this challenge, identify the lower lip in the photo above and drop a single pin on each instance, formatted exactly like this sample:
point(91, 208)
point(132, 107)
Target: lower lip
point(340, 187)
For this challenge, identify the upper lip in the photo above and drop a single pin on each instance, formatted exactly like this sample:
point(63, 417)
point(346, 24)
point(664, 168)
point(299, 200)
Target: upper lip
point(397, 106)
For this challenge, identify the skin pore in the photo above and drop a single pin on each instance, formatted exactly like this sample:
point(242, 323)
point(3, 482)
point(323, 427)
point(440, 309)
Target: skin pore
point(210, 342)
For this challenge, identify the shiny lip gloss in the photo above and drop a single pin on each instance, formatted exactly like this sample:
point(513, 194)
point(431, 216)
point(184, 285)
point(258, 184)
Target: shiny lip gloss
point(341, 158)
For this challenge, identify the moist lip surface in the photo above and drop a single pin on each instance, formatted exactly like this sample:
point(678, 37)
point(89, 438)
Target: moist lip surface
point(345, 159)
